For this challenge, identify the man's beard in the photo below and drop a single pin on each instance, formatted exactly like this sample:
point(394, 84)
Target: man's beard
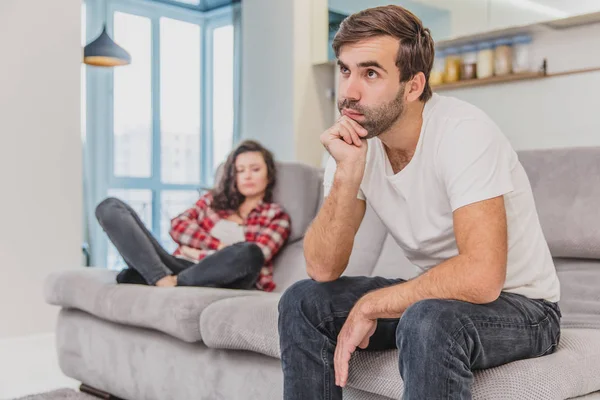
point(380, 119)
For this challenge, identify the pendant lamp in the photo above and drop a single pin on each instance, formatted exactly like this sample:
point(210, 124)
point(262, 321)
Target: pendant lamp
point(104, 52)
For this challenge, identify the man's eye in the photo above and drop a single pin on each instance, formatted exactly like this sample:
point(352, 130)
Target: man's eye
point(344, 70)
point(372, 74)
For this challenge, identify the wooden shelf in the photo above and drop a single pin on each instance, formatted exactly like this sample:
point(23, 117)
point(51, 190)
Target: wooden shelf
point(489, 81)
point(525, 76)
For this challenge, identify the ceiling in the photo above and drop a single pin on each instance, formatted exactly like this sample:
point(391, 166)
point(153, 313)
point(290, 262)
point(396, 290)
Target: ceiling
point(552, 8)
point(199, 5)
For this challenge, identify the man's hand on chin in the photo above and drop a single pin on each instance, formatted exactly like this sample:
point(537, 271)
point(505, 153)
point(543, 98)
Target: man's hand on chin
point(356, 332)
point(345, 141)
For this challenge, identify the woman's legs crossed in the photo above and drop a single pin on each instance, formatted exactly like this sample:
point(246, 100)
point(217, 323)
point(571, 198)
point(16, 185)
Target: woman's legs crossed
point(135, 243)
point(235, 267)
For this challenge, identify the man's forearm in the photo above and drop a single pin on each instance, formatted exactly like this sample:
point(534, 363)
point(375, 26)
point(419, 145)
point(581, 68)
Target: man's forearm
point(459, 278)
point(329, 240)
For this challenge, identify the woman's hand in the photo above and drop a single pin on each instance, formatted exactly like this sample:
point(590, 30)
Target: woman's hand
point(190, 252)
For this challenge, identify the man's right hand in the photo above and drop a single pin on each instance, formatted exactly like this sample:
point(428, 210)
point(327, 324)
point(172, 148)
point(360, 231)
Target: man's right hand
point(344, 141)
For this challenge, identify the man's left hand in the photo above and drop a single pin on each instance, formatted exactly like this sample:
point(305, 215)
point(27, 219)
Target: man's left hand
point(355, 333)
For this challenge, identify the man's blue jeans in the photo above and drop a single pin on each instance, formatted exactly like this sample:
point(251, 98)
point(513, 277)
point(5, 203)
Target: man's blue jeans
point(440, 341)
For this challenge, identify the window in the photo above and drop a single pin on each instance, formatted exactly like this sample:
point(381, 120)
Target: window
point(180, 89)
point(222, 93)
point(163, 123)
point(132, 105)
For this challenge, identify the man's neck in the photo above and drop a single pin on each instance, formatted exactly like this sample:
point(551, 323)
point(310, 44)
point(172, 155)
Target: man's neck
point(403, 136)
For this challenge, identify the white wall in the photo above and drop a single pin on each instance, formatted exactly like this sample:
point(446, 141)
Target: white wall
point(551, 112)
point(40, 156)
point(268, 75)
point(284, 97)
point(312, 108)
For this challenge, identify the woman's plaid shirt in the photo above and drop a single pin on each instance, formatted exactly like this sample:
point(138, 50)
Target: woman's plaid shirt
point(267, 225)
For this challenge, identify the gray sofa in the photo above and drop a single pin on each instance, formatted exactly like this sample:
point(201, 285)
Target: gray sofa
point(140, 342)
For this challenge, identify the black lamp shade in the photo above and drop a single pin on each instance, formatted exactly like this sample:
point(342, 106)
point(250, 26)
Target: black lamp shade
point(104, 52)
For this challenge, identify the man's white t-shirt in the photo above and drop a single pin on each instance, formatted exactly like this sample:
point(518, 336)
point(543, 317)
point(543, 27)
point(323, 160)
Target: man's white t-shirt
point(461, 158)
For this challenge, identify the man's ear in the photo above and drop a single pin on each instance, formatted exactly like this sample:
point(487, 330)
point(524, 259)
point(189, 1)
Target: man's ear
point(415, 87)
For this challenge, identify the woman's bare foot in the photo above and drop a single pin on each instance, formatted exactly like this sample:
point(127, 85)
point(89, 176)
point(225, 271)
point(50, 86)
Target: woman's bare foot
point(167, 281)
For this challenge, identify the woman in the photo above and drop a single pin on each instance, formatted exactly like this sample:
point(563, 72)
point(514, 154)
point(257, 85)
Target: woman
point(227, 239)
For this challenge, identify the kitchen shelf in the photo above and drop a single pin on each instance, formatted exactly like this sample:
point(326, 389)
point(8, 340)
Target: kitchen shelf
point(489, 81)
point(525, 76)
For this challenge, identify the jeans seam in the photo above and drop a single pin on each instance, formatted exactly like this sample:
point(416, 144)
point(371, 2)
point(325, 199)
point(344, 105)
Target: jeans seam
point(524, 324)
point(326, 371)
point(452, 345)
point(327, 340)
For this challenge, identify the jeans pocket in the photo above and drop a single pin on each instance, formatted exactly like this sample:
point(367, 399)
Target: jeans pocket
point(553, 306)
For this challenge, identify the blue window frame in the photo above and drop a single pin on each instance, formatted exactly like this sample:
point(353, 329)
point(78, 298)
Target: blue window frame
point(136, 147)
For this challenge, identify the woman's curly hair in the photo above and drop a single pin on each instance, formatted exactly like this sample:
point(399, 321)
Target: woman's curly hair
point(226, 195)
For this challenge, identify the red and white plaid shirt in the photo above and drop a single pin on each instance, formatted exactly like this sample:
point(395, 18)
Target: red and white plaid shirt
point(267, 225)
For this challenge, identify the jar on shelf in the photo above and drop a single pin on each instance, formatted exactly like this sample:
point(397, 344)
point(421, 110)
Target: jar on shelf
point(439, 66)
point(503, 57)
point(469, 62)
point(453, 63)
point(521, 54)
point(485, 60)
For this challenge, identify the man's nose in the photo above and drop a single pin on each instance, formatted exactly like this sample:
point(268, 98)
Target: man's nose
point(351, 89)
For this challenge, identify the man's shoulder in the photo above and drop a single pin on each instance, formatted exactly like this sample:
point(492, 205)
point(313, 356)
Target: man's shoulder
point(453, 122)
point(445, 109)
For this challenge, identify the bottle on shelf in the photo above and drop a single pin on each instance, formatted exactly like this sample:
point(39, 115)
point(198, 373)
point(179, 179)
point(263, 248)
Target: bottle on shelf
point(503, 57)
point(521, 61)
point(485, 60)
point(453, 65)
point(438, 71)
point(469, 62)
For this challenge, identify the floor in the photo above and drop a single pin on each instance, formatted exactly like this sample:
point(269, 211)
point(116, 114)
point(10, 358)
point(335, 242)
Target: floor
point(29, 365)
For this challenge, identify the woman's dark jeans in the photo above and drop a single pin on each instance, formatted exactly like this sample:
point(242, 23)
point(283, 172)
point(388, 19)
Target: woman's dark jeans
point(235, 267)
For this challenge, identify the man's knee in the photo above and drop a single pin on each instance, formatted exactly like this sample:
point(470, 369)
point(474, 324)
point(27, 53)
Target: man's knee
point(427, 323)
point(307, 298)
point(107, 208)
point(296, 296)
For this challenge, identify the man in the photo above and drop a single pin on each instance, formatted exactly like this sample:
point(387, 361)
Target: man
point(452, 193)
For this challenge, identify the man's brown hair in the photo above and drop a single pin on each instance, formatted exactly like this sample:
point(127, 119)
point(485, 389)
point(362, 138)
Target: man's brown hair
point(416, 51)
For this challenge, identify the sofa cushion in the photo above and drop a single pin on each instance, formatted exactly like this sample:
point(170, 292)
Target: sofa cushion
point(566, 187)
point(249, 324)
point(580, 297)
point(175, 311)
point(573, 370)
point(298, 190)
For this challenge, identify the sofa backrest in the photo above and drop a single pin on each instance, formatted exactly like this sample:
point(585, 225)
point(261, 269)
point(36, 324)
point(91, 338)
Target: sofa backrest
point(566, 187)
